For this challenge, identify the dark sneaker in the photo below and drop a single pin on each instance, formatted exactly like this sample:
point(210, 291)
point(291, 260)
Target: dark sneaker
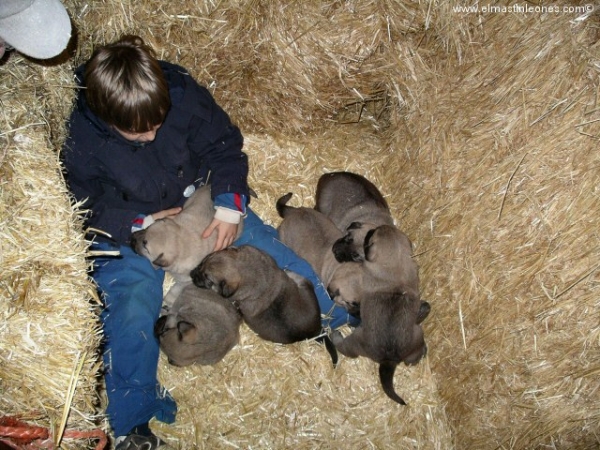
point(139, 442)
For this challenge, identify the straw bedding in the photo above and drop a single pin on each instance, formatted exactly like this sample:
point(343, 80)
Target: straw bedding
point(480, 129)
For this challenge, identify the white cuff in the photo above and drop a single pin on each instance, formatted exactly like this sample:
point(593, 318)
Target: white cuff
point(148, 220)
point(228, 215)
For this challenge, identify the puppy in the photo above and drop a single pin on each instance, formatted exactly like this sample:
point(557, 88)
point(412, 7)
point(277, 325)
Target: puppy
point(279, 306)
point(389, 333)
point(175, 243)
point(310, 235)
point(355, 206)
point(201, 327)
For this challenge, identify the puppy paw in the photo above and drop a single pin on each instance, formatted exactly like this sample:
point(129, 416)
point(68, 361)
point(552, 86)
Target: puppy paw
point(424, 310)
point(336, 338)
point(354, 309)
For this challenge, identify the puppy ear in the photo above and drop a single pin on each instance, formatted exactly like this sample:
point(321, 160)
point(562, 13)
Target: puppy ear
point(187, 332)
point(159, 326)
point(161, 261)
point(227, 289)
point(368, 245)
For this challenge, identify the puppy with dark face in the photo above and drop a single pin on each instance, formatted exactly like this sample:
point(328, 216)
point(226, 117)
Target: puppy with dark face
point(311, 235)
point(279, 306)
point(389, 333)
point(175, 244)
point(200, 328)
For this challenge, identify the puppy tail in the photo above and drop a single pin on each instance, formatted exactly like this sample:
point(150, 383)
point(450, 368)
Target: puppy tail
point(386, 376)
point(281, 204)
point(330, 349)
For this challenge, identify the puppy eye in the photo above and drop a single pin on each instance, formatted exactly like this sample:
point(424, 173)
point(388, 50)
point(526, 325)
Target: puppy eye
point(354, 226)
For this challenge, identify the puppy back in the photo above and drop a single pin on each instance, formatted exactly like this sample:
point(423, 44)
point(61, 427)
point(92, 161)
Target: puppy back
point(338, 191)
point(389, 321)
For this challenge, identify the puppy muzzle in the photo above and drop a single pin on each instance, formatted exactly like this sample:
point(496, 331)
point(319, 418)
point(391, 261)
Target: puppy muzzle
point(199, 278)
point(343, 252)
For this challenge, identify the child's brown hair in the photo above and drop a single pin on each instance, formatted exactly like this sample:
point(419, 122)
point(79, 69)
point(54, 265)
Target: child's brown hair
point(125, 85)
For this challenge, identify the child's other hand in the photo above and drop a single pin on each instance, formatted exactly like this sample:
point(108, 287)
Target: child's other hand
point(166, 213)
point(226, 233)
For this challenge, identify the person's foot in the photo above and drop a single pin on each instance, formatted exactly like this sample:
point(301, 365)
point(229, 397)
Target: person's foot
point(139, 442)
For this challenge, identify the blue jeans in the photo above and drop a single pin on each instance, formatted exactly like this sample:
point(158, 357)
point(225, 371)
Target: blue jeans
point(132, 293)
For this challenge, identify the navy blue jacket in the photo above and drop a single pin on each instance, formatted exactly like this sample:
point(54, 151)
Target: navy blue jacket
point(117, 179)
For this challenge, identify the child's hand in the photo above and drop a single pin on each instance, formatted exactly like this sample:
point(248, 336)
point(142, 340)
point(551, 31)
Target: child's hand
point(166, 213)
point(226, 233)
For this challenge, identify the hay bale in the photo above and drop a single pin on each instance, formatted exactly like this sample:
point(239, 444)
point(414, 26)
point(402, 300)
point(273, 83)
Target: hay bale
point(280, 68)
point(501, 197)
point(481, 131)
point(49, 333)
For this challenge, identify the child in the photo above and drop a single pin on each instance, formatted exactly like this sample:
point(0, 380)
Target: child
point(142, 137)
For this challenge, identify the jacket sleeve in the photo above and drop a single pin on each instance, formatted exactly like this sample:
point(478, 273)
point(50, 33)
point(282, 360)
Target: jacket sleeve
point(84, 179)
point(230, 208)
point(218, 143)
